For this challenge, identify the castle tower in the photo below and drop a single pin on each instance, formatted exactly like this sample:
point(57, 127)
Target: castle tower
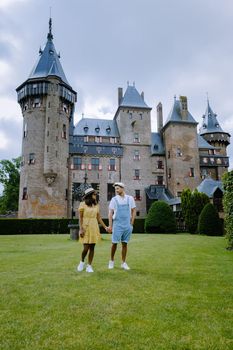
point(181, 145)
point(133, 118)
point(216, 162)
point(47, 103)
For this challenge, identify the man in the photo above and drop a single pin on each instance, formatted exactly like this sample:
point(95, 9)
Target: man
point(122, 212)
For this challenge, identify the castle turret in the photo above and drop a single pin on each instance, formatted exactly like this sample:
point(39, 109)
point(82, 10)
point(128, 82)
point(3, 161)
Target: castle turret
point(216, 162)
point(47, 102)
point(181, 144)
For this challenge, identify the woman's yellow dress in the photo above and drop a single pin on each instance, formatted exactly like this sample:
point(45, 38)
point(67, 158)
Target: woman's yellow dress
point(90, 223)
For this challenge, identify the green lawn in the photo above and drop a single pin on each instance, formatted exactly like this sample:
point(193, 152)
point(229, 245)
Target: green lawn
point(177, 295)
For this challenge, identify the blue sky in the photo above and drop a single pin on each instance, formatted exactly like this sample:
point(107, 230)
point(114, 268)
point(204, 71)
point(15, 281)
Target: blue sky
point(166, 47)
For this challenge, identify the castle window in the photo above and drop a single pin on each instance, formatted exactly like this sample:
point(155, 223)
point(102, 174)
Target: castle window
point(110, 192)
point(112, 165)
point(160, 164)
point(191, 172)
point(85, 139)
point(77, 163)
point(211, 151)
point(137, 213)
point(136, 155)
point(48, 104)
point(137, 174)
point(141, 116)
point(47, 149)
point(47, 132)
point(169, 173)
point(169, 154)
point(137, 196)
point(36, 103)
point(56, 138)
point(136, 138)
point(63, 134)
point(25, 193)
point(65, 108)
point(66, 194)
point(160, 180)
point(98, 139)
point(130, 115)
point(32, 158)
point(48, 120)
point(178, 152)
point(25, 107)
point(25, 131)
point(95, 162)
point(112, 139)
point(56, 154)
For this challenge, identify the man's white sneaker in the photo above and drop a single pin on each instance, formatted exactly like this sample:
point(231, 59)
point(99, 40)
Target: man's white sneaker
point(80, 267)
point(125, 266)
point(89, 268)
point(111, 265)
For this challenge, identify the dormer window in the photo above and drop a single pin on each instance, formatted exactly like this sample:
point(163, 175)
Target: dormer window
point(108, 130)
point(85, 128)
point(156, 147)
point(51, 52)
point(204, 125)
point(97, 129)
point(217, 125)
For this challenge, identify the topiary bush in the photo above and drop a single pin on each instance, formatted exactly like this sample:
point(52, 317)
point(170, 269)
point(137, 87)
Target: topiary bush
point(160, 219)
point(209, 223)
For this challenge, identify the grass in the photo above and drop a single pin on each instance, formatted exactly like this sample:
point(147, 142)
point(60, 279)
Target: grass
point(177, 295)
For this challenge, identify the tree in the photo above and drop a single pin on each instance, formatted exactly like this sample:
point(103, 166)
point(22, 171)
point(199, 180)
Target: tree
point(209, 223)
point(192, 204)
point(160, 218)
point(9, 178)
point(228, 207)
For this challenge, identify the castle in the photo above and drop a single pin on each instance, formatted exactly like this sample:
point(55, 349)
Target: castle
point(58, 157)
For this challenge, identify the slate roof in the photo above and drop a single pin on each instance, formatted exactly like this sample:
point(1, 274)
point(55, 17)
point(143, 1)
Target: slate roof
point(209, 186)
point(203, 144)
point(48, 62)
point(210, 123)
point(132, 98)
point(175, 115)
point(157, 192)
point(96, 127)
point(157, 147)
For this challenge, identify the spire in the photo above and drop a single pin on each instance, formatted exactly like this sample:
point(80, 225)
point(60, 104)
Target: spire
point(50, 35)
point(210, 123)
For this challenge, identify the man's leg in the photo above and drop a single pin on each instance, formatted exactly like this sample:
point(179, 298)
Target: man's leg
point(113, 251)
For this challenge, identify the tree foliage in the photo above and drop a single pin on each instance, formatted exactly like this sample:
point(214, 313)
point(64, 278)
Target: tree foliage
point(209, 223)
point(9, 178)
point(160, 218)
point(228, 206)
point(192, 204)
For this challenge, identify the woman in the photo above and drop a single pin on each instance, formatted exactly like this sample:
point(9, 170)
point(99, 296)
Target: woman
point(89, 232)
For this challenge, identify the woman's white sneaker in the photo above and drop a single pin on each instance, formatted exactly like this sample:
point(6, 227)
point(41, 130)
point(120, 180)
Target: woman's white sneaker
point(125, 266)
point(89, 268)
point(111, 265)
point(80, 267)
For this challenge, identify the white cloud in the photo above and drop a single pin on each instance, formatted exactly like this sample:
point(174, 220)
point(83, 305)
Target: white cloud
point(6, 4)
point(9, 110)
point(4, 141)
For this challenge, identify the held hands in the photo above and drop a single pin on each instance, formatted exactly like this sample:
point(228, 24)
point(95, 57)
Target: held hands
point(108, 229)
point(81, 232)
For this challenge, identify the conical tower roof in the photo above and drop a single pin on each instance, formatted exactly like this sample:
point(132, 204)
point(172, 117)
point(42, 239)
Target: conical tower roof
point(132, 98)
point(175, 115)
point(210, 123)
point(48, 62)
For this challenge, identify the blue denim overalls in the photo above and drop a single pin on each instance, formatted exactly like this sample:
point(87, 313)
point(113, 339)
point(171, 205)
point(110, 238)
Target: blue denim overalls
point(122, 228)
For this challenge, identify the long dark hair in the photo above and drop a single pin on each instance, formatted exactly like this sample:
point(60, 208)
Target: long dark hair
point(89, 201)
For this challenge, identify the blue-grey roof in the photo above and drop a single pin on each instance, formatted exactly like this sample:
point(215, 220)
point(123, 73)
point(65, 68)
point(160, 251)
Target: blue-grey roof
point(210, 123)
point(209, 186)
point(157, 146)
point(157, 192)
point(48, 62)
point(96, 127)
point(202, 143)
point(175, 115)
point(132, 98)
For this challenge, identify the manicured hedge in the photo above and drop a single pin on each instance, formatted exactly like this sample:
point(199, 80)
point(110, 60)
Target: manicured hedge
point(160, 218)
point(34, 226)
point(48, 226)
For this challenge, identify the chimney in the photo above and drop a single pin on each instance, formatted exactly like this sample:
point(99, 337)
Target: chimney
point(142, 95)
point(120, 95)
point(159, 117)
point(184, 107)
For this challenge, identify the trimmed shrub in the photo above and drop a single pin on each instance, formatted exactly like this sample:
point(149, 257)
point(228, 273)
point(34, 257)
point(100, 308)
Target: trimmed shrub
point(160, 219)
point(228, 207)
point(192, 204)
point(209, 223)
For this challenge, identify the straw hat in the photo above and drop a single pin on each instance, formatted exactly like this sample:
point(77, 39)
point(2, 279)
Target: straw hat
point(89, 191)
point(120, 184)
